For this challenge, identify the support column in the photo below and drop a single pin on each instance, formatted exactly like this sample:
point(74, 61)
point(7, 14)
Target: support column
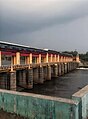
point(63, 59)
point(73, 67)
point(58, 59)
point(41, 76)
point(12, 77)
point(39, 59)
point(4, 80)
point(62, 68)
point(30, 78)
point(47, 58)
point(51, 58)
point(30, 58)
point(69, 66)
point(38, 75)
point(65, 67)
point(76, 65)
point(55, 71)
point(21, 78)
point(24, 77)
point(25, 60)
point(35, 75)
point(48, 73)
point(0, 58)
point(54, 58)
point(45, 72)
point(59, 69)
point(14, 60)
point(18, 58)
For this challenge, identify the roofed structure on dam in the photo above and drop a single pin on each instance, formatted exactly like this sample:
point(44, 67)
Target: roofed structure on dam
point(17, 47)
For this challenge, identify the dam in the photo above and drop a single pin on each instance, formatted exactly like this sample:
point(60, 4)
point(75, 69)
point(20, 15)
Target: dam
point(37, 72)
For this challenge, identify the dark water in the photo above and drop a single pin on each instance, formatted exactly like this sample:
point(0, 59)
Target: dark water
point(63, 86)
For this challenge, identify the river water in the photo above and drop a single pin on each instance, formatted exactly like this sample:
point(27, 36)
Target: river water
point(63, 86)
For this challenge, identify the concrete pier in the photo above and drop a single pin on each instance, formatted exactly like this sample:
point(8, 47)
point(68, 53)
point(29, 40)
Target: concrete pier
point(35, 75)
point(62, 68)
point(30, 78)
point(45, 72)
point(48, 73)
point(41, 74)
point(55, 70)
point(68, 67)
point(65, 68)
point(4, 82)
point(24, 78)
point(21, 78)
point(12, 78)
point(59, 69)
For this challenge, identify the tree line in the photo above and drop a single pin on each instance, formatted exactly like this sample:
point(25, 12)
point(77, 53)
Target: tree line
point(83, 57)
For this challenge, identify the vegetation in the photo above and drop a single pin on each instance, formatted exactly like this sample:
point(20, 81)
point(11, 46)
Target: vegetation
point(74, 53)
point(84, 57)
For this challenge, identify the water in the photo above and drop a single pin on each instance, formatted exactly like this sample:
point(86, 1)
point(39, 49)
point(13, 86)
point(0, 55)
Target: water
point(63, 86)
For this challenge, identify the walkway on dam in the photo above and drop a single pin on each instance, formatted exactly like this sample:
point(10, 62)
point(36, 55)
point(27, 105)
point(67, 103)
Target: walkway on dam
point(63, 86)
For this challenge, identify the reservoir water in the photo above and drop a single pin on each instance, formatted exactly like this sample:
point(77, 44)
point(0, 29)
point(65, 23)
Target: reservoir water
point(63, 86)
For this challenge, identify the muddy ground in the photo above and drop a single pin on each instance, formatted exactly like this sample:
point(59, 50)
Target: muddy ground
point(5, 115)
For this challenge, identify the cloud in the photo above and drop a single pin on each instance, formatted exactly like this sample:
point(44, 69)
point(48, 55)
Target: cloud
point(31, 15)
point(69, 36)
point(55, 24)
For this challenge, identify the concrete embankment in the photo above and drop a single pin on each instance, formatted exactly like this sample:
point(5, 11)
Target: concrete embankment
point(34, 106)
point(37, 106)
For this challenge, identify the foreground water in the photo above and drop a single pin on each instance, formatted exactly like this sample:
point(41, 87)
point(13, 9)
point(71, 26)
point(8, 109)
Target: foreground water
point(63, 86)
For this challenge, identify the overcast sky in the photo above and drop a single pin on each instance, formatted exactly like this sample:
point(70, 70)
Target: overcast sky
point(53, 24)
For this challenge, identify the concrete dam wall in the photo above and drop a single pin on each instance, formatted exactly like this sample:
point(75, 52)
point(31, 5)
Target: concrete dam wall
point(35, 106)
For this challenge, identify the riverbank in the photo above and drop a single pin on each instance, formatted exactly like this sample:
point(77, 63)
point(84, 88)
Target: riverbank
point(83, 64)
point(6, 115)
